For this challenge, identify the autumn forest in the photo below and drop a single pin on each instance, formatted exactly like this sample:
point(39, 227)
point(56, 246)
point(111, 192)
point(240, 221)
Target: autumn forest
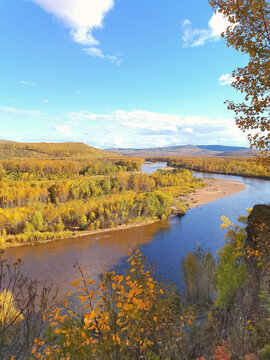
point(134, 218)
point(50, 199)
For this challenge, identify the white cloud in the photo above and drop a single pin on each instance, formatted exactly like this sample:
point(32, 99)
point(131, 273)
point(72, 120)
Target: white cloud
point(196, 37)
point(188, 130)
point(118, 141)
point(226, 79)
point(15, 111)
point(28, 83)
point(140, 128)
point(64, 129)
point(96, 52)
point(82, 17)
point(45, 101)
point(142, 119)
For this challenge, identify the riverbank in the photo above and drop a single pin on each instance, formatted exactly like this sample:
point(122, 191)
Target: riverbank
point(83, 233)
point(213, 190)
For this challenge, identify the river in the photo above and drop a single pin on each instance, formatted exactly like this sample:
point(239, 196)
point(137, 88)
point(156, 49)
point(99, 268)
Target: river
point(165, 242)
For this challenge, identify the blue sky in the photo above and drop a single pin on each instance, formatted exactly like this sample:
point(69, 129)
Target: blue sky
point(116, 73)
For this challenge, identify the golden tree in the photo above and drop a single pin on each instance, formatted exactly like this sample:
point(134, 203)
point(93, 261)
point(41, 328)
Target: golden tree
point(249, 32)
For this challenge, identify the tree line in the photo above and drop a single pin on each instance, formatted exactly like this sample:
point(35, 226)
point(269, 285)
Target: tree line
point(28, 169)
point(223, 165)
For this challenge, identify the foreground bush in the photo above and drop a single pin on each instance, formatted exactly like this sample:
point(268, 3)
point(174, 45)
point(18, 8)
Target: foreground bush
point(121, 317)
point(24, 308)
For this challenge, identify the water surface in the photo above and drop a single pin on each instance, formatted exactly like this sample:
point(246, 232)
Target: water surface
point(165, 242)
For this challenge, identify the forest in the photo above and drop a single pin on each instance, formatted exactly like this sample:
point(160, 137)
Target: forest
point(242, 166)
point(51, 199)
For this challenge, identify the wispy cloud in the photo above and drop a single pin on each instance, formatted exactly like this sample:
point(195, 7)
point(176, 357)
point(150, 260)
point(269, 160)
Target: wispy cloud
point(79, 91)
point(12, 110)
point(226, 79)
point(28, 83)
point(82, 17)
point(63, 130)
point(96, 52)
point(197, 37)
point(45, 101)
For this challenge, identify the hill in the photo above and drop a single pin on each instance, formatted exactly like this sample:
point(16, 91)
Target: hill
point(223, 148)
point(186, 150)
point(44, 150)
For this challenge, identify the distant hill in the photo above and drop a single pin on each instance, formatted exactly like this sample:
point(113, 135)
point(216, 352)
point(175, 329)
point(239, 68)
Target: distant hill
point(186, 150)
point(223, 148)
point(249, 152)
point(44, 150)
point(11, 149)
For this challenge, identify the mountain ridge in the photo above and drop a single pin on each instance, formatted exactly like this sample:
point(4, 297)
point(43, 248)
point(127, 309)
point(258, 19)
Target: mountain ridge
point(187, 150)
point(51, 150)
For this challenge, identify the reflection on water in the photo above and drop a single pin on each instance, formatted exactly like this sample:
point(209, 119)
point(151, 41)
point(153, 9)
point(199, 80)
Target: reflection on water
point(53, 262)
point(164, 242)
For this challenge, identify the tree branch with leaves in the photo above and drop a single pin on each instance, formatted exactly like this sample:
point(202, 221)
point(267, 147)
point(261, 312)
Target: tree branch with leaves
point(249, 32)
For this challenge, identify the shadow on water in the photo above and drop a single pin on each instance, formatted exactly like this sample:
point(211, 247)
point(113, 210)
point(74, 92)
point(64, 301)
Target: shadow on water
point(53, 262)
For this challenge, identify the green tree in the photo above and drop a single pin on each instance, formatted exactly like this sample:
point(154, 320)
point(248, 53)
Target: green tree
point(37, 221)
point(59, 226)
point(231, 269)
point(83, 222)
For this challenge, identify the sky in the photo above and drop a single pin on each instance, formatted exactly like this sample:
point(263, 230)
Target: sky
point(116, 73)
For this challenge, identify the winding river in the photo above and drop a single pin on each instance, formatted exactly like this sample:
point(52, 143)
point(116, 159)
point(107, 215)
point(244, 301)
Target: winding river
point(165, 242)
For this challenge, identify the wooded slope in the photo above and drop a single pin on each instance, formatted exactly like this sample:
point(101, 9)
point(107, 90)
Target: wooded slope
point(10, 149)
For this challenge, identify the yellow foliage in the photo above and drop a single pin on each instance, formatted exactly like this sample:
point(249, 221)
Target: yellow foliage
point(123, 313)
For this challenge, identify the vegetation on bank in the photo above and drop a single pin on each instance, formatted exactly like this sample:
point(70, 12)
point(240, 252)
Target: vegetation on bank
point(224, 314)
point(223, 165)
point(48, 200)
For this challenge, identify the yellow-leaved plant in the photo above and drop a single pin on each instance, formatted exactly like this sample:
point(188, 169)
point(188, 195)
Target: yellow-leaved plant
point(129, 316)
